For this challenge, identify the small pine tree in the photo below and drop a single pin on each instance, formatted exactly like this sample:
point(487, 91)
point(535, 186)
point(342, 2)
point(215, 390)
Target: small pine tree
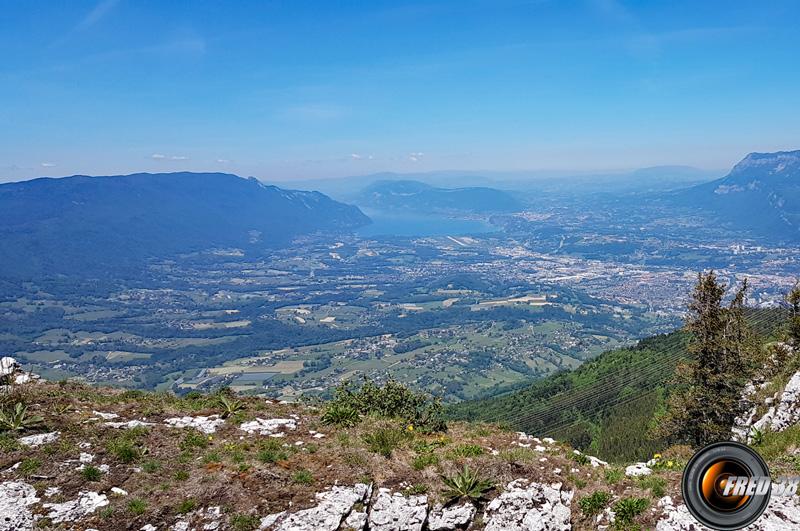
point(705, 403)
point(793, 298)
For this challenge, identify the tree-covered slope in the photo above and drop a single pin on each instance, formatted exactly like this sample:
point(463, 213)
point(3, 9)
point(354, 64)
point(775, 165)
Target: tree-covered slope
point(606, 405)
point(81, 223)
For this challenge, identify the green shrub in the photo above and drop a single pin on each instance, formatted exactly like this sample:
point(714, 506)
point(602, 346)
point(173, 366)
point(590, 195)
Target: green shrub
point(193, 440)
point(581, 459)
point(9, 443)
point(304, 477)
point(137, 506)
point(384, 440)
point(91, 473)
point(393, 400)
point(614, 475)
point(244, 522)
point(125, 450)
point(30, 465)
point(271, 452)
point(17, 418)
point(193, 395)
point(626, 509)
point(186, 506)
point(656, 485)
point(465, 484)
point(181, 475)
point(151, 466)
point(342, 415)
point(594, 503)
point(425, 460)
point(229, 405)
point(212, 457)
point(465, 450)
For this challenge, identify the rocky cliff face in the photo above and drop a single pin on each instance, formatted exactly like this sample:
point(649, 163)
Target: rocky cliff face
point(108, 459)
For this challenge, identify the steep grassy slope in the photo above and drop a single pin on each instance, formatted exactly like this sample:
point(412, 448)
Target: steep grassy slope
point(606, 405)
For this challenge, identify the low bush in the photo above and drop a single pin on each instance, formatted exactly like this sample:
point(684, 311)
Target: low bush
point(272, 452)
point(91, 473)
point(594, 503)
point(385, 440)
point(342, 415)
point(626, 509)
point(393, 400)
point(465, 484)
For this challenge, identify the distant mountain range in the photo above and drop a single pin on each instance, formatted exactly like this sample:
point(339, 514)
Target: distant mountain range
point(760, 195)
point(559, 183)
point(420, 197)
point(83, 223)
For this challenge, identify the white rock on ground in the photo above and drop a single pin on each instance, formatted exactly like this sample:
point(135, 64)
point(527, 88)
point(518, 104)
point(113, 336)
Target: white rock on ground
point(268, 426)
point(638, 469)
point(742, 424)
point(528, 506)
point(594, 461)
point(85, 504)
point(788, 409)
point(210, 517)
point(782, 514)
point(8, 366)
point(449, 518)
point(105, 416)
point(395, 512)
point(207, 425)
point(15, 497)
point(333, 505)
point(22, 378)
point(40, 439)
point(356, 520)
point(128, 425)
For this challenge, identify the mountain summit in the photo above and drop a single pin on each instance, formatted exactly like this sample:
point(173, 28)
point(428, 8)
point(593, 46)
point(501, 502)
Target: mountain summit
point(81, 222)
point(761, 195)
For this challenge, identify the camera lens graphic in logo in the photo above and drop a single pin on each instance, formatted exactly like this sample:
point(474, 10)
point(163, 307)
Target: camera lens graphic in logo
point(726, 486)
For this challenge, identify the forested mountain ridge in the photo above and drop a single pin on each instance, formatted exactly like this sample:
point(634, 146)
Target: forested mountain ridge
point(80, 223)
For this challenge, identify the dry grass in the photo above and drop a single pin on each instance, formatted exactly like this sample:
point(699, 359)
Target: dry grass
point(174, 468)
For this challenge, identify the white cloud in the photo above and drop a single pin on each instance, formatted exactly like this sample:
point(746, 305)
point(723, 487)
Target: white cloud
point(223, 161)
point(47, 165)
point(161, 156)
point(416, 157)
point(100, 10)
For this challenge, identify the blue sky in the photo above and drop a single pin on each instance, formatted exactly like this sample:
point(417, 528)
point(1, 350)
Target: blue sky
point(284, 90)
